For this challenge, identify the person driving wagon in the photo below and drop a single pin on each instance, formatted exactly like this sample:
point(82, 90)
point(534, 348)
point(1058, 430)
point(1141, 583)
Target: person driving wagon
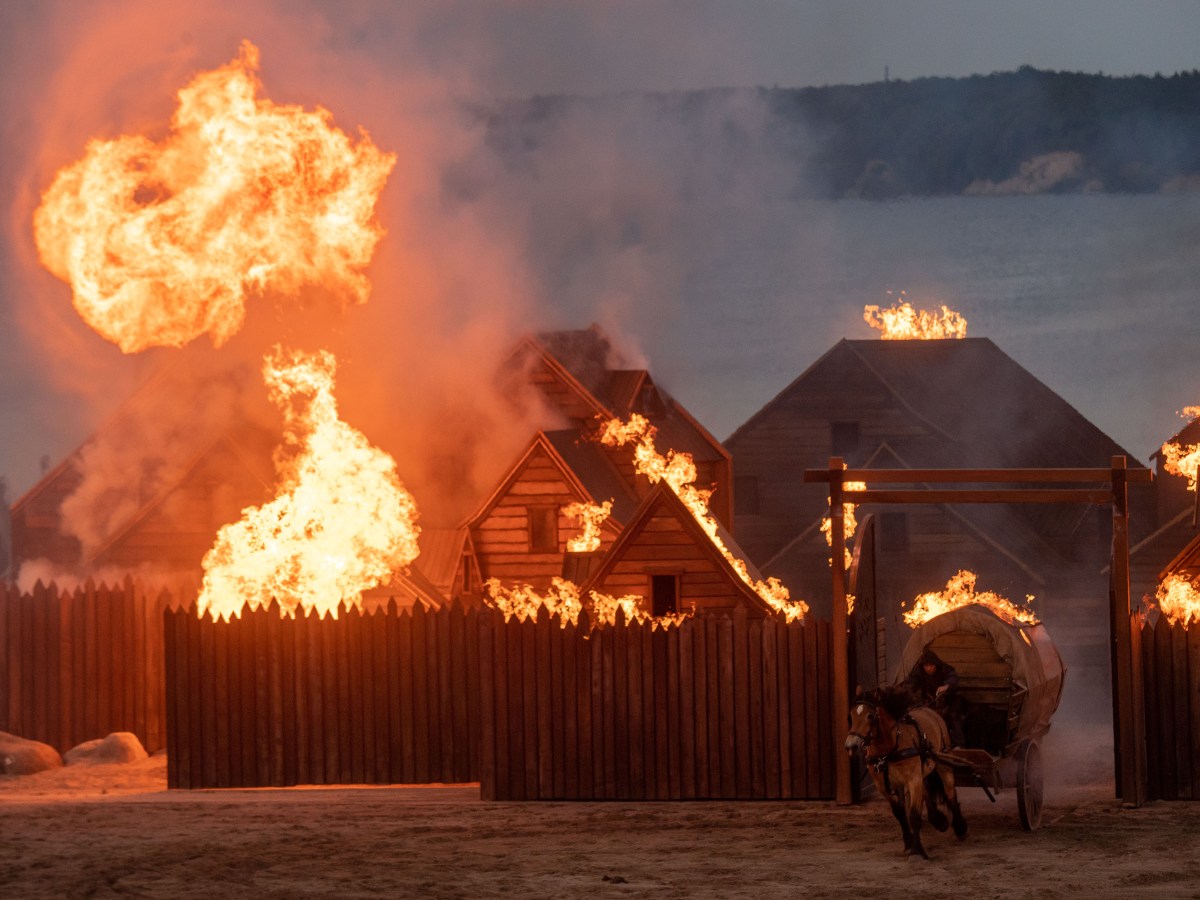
point(934, 683)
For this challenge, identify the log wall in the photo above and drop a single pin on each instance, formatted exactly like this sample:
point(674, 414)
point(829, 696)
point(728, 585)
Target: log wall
point(1170, 656)
point(79, 665)
point(722, 707)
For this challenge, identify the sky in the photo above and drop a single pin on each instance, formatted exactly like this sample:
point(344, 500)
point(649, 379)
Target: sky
point(70, 71)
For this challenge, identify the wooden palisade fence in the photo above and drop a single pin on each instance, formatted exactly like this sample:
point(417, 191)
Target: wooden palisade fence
point(387, 697)
point(78, 665)
point(720, 707)
point(1170, 656)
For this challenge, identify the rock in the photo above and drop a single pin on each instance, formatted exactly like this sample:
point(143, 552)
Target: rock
point(118, 747)
point(19, 756)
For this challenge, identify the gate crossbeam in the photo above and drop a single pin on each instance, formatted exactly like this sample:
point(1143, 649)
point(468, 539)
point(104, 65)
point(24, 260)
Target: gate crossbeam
point(1105, 487)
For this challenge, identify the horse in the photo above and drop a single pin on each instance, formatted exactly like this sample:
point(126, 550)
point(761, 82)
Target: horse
point(901, 748)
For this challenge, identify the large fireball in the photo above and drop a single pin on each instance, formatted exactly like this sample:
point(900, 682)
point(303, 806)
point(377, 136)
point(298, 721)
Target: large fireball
point(162, 242)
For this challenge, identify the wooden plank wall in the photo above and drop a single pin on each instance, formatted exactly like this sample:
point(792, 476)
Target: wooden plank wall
point(1170, 656)
point(721, 707)
point(387, 697)
point(79, 665)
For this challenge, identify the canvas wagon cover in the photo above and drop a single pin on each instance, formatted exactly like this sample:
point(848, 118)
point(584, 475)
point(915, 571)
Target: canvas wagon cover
point(1036, 665)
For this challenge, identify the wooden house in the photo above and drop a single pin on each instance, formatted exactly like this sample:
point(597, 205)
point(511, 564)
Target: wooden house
point(583, 380)
point(932, 404)
point(173, 507)
point(665, 556)
point(520, 532)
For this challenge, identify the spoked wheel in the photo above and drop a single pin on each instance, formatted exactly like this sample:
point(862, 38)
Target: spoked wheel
point(1029, 784)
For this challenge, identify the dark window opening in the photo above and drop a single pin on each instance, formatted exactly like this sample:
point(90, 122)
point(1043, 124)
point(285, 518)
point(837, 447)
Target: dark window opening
point(664, 594)
point(543, 529)
point(745, 495)
point(468, 578)
point(893, 536)
point(844, 438)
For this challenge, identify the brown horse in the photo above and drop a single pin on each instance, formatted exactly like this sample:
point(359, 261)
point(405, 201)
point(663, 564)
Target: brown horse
point(900, 748)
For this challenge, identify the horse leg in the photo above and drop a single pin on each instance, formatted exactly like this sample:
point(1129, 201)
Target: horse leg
point(901, 817)
point(916, 800)
point(934, 794)
point(951, 794)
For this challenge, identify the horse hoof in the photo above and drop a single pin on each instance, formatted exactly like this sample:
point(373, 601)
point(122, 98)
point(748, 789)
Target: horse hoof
point(939, 821)
point(960, 830)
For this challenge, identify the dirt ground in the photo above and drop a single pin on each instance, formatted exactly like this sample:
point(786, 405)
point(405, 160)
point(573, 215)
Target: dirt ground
point(109, 830)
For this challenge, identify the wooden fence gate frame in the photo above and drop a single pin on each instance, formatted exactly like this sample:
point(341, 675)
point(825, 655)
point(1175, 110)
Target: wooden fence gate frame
point(1129, 715)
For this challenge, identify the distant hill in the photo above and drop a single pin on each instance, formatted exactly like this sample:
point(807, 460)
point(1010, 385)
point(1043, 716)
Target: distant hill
point(1028, 131)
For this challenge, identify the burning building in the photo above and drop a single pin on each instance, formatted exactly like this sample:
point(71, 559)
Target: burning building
point(933, 404)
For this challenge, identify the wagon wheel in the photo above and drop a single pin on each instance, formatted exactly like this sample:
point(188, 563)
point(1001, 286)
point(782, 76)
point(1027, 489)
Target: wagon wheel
point(1029, 784)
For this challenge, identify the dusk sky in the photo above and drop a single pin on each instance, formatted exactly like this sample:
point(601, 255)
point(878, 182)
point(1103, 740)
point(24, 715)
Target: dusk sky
point(72, 70)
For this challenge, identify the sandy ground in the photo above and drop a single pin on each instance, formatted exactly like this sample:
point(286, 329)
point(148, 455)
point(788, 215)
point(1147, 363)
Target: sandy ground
point(116, 831)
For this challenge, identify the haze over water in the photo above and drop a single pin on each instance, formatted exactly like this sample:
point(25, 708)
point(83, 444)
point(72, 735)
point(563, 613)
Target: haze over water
point(1095, 295)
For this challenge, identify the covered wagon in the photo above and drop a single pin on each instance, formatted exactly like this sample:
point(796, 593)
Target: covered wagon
point(1010, 683)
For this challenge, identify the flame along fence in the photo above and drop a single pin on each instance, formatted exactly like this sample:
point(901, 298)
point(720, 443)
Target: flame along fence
point(78, 665)
point(1170, 656)
point(719, 708)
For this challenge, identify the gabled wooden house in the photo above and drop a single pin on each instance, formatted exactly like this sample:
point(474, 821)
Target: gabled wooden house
point(933, 404)
point(161, 507)
point(582, 378)
point(520, 532)
point(665, 556)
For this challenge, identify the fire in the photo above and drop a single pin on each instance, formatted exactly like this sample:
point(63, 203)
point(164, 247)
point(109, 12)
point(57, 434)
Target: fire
point(341, 523)
point(1184, 459)
point(678, 470)
point(563, 600)
point(591, 516)
point(959, 592)
point(1179, 599)
point(524, 602)
point(849, 523)
point(903, 323)
point(162, 242)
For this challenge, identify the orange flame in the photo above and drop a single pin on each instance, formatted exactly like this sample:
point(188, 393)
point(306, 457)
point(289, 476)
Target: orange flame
point(849, 523)
point(903, 323)
point(1184, 459)
point(1179, 599)
point(162, 242)
point(959, 592)
point(524, 602)
point(563, 600)
point(678, 470)
point(591, 516)
point(342, 522)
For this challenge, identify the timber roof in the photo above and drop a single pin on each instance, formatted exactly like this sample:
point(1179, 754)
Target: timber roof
point(586, 363)
point(441, 554)
point(662, 497)
point(583, 465)
point(979, 409)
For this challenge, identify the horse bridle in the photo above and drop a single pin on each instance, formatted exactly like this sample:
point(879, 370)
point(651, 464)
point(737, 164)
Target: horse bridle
point(881, 763)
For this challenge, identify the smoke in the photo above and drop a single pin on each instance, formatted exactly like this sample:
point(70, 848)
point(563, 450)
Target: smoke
point(500, 217)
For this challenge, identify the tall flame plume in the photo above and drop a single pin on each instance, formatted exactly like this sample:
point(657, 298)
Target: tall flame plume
point(342, 522)
point(162, 242)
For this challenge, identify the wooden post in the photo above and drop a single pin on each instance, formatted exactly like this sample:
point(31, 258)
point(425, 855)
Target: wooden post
point(841, 633)
point(1129, 722)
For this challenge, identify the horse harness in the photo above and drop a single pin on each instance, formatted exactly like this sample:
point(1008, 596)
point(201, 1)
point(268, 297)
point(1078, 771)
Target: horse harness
point(881, 764)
